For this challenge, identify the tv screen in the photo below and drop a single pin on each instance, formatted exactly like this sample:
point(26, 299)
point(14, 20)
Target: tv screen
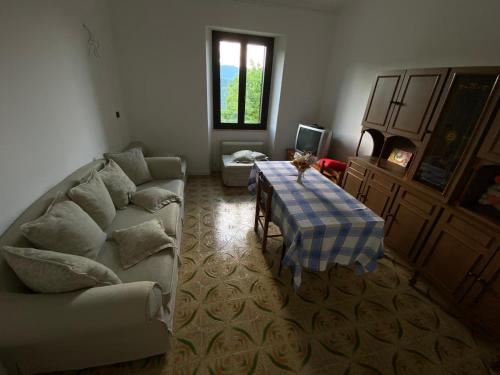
point(308, 140)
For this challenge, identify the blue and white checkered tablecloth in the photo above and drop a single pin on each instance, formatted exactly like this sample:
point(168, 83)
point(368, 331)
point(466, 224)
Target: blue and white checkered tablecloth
point(320, 222)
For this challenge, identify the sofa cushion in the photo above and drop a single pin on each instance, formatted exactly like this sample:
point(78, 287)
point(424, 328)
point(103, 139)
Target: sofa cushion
point(242, 156)
point(95, 200)
point(154, 198)
point(52, 272)
point(141, 241)
point(133, 215)
point(65, 228)
point(176, 186)
point(158, 268)
point(119, 185)
point(133, 164)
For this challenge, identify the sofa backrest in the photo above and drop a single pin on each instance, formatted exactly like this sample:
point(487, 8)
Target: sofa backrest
point(13, 237)
point(230, 147)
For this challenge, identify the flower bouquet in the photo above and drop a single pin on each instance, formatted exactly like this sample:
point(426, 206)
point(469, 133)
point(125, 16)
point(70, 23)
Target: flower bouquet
point(303, 163)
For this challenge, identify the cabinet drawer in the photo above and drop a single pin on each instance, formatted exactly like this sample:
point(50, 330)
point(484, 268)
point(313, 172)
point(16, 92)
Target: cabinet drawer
point(357, 169)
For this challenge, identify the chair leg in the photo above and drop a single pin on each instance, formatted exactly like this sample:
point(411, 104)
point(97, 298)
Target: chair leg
point(283, 248)
point(264, 233)
point(257, 211)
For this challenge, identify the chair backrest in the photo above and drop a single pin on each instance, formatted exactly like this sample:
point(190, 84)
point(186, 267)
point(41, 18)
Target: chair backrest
point(264, 192)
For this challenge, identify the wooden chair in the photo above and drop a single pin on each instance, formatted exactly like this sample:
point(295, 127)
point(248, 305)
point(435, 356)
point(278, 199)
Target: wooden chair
point(263, 203)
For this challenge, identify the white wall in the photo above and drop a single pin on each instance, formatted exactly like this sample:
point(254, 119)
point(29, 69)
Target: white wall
point(161, 49)
point(57, 104)
point(374, 35)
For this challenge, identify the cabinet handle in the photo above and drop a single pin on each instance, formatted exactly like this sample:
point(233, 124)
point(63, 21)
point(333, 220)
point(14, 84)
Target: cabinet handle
point(471, 274)
point(481, 281)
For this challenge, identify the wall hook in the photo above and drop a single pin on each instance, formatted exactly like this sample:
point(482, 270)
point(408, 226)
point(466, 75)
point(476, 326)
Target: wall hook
point(93, 44)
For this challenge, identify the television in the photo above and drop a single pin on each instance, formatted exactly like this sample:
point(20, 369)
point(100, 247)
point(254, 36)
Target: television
point(312, 139)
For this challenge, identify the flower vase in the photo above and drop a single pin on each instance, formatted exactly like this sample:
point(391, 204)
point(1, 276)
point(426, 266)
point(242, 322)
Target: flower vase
point(300, 175)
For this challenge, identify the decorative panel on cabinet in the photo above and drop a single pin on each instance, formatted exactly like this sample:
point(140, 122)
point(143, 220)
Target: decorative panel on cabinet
point(409, 223)
point(490, 150)
point(353, 178)
point(382, 99)
point(379, 192)
point(458, 115)
point(482, 302)
point(416, 102)
point(457, 251)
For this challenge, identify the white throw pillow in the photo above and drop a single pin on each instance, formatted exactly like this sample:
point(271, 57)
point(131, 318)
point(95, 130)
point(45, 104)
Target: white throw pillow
point(134, 165)
point(52, 272)
point(65, 228)
point(259, 156)
point(93, 196)
point(243, 156)
point(141, 241)
point(154, 198)
point(119, 185)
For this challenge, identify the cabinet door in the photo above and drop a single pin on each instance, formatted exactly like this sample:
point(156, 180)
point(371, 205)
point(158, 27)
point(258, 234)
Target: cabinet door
point(457, 250)
point(467, 98)
point(379, 193)
point(410, 221)
point(416, 101)
point(354, 178)
point(490, 149)
point(482, 302)
point(382, 99)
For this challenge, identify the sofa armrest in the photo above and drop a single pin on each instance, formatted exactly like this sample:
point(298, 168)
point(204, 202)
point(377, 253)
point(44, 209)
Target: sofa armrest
point(33, 318)
point(165, 167)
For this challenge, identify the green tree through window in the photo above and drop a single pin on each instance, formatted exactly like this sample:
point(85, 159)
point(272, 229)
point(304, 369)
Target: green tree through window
point(253, 99)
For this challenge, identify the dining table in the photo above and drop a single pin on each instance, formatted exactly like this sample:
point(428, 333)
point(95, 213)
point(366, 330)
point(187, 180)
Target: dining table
point(320, 222)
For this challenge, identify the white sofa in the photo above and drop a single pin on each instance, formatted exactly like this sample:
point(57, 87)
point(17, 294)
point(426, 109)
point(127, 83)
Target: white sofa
point(96, 326)
point(236, 174)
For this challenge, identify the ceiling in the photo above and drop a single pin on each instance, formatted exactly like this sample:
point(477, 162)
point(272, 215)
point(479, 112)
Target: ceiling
point(318, 5)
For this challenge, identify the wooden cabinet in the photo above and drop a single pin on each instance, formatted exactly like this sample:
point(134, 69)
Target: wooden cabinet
point(379, 192)
point(490, 150)
point(416, 101)
point(354, 178)
point(409, 222)
point(432, 175)
point(482, 303)
point(457, 250)
point(382, 99)
point(461, 115)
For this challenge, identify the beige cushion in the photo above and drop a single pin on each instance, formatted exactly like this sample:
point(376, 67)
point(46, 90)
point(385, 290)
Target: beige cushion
point(159, 268)
point(133, 164)
point(119, 186)
point(95, 200)
point(52, 272)
point(66, 228)
point(133, 215)
point(154, 198)
point(176, 186)
point(243, 156)
point(140, 241)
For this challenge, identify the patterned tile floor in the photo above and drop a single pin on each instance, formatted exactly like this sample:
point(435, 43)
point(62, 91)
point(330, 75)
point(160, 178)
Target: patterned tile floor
point(235, 315)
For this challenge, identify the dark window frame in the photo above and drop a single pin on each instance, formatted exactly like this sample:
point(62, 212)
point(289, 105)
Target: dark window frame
point(243, 39)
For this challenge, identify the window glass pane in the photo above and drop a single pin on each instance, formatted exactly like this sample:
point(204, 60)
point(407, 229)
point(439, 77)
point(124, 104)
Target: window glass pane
point(256, 57)
point(229, 81)
point(464, 105)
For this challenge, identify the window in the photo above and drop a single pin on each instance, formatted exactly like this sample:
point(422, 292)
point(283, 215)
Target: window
point(241, 69)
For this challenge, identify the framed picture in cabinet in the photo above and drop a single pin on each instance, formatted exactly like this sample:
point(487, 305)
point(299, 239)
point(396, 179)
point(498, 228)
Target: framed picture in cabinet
point(400, 157)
